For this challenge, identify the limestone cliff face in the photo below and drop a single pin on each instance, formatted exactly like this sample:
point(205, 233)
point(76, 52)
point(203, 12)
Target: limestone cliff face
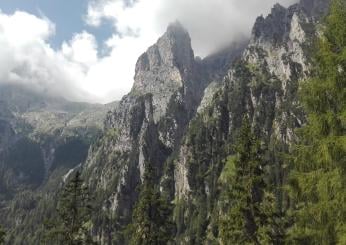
point(148, 123)
point(182, 114)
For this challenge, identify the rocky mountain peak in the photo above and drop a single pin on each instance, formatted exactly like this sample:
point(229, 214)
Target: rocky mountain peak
point(171, 57)
point(176, 29)
point(165, 68)
point(273, 27)
point(175, 46)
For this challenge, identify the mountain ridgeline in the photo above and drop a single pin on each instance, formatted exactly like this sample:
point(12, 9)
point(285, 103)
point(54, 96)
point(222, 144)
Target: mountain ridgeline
point(245, 146)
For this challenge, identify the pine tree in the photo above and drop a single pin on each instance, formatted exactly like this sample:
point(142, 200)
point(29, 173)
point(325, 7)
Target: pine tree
point(317, 184)
point(2, 236)
point(152, 222)
point(248, 215)
point(74, 212)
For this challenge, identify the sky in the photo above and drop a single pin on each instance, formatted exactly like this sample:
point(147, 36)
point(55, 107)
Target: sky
point(86, 50)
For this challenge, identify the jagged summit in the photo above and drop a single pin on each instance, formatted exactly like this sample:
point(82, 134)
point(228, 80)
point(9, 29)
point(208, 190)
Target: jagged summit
point(176, 29)
point(276, 26)
point(278, 7)
point(273, 26)
point(171, 57)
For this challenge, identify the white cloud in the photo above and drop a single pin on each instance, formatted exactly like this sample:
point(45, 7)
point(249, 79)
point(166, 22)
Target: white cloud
point(78, 71)
point(27, 58)
point(211, 23)
point(81, 49)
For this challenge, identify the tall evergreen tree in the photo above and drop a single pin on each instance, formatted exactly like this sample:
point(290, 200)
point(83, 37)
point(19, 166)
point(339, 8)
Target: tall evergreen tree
point(318, 180)
point(152, 217)
point(248, 215)
point(74, 212)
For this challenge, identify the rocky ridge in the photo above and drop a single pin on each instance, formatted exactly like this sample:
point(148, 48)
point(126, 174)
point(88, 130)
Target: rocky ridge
point(152, 123)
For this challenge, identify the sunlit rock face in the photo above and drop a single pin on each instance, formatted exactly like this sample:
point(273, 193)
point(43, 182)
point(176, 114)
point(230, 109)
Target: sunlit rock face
point(165, 67)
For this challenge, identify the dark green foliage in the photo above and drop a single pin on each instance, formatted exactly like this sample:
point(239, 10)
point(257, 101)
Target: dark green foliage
point(74, 210)
point(70, 154)
point(248, 208)
point(2, 236)
point(25, 158)
point(208, 148)
point(318, 179)
point(152, 222)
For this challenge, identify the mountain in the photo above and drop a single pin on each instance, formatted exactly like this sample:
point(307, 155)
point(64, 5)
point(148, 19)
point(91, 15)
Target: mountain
point(179, 122)
point(41, 134)
point(149, 123)
point(159, 122)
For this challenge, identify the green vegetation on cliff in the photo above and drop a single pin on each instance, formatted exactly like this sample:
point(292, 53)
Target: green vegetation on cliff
point(151, 222)
point(72, 224)
point(318, 179)
point(247, 206)
point(2, 236)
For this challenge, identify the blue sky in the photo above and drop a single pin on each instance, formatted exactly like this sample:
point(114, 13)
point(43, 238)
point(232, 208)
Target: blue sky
point(67, 15)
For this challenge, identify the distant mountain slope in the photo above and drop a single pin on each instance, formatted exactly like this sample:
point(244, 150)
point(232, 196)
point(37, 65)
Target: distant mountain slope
point(36, 131)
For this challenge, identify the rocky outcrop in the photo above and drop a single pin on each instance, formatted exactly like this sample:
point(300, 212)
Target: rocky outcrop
point(165, 68)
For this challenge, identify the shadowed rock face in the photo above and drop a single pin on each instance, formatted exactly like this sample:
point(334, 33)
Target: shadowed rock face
point(277, 25)
point(273, 27)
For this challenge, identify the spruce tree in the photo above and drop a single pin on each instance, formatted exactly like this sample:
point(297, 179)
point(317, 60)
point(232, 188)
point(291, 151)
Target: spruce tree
point(318, 180)
point(74, 213)
point(152, 222)
point(248, 207)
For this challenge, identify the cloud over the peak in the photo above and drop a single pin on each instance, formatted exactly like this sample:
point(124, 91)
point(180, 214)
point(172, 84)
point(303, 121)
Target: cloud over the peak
point(211, 23)
point(84, 69)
